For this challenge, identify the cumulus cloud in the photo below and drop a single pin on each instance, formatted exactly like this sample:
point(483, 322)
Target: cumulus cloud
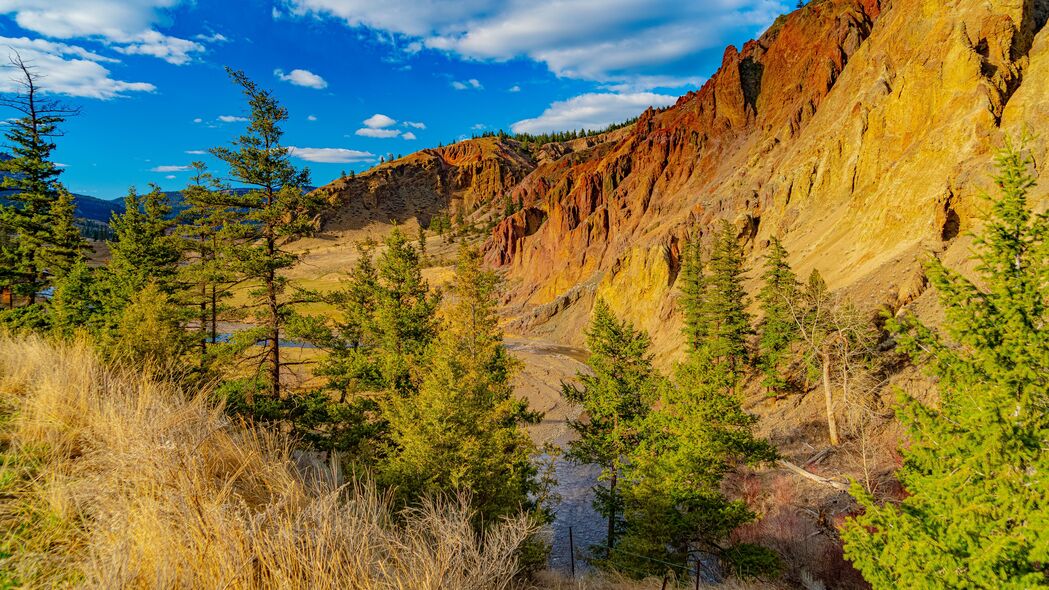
point(409, 136)
point(591, 111)
point(232, 119)
point(378, 126)
point(471, 84)
point(514, 88)
point(71, 70)
point(126, 25)
point(331, 155)
point(303, 78)
point(311, 117)
point(377, 133)
point(643, 43)
point(169, 169)
point(379, 121)
point(414, 124)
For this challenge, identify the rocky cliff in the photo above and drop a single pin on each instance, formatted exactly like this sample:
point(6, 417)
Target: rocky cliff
point(459, 178)
point(859, 132)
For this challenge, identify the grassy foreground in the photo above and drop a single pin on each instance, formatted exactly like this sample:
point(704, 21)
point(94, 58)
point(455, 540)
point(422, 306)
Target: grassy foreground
point(110, 479)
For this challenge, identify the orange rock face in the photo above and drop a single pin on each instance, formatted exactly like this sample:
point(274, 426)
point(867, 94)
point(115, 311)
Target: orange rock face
point(859, 132)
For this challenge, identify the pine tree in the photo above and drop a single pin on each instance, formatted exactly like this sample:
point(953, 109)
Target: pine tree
point(66, 245)
point(204, 226)
point(693, 285)
point(276, 210)
point(977, 504)
point(144, 250)
point(777, 329)
point(462, 431)
point(75, 306)
point(615, 396)
point(724, 306)
point(33, 179)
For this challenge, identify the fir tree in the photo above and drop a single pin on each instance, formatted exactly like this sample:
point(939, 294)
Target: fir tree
point(777, 329)
point(276, 210)
point(144, 250)
point(977, 504)
point(462, 431)
point(204, 225)
point(615, 396)
point(33, 179)
point(66, 245)
point(693, 285)
point(724, 306)
point(75, 306)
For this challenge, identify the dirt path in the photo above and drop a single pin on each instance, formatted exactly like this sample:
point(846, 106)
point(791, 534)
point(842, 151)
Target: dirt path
point(544, 367)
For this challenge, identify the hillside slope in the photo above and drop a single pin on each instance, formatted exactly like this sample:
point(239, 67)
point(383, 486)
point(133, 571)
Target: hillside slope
point(859, 132)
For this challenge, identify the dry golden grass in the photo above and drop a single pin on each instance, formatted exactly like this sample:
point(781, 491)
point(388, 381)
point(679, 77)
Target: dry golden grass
point(113, 480)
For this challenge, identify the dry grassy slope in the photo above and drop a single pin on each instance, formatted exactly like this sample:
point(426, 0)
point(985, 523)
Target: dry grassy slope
point(859, 132)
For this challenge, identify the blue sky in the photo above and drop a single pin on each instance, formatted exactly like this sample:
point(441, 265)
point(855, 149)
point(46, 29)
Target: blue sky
point(360, 78)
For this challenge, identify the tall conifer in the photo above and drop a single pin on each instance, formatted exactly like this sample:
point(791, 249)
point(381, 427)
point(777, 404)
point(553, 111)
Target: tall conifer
point(975, 470)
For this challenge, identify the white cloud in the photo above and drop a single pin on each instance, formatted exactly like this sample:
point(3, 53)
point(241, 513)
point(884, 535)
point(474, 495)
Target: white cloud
point(169, 169)
point(170, 177)
point(212, 38)
point(126, 25)
point(198, 120)
point(196, 152)
point(414, 124)
point(471, 84)
point(478, 126)
point(331, 155)
point(69, 69)
point(653, 43)
point(311, 117)
point(379, 121)
point(377, 133)
point(170, 49)
point(409, 136)
point(591, 111)
point(304, 78)
point(514, 88)
point(231, 119)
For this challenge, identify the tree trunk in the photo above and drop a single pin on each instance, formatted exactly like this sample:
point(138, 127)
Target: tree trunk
point(214, 316)
point(828, 393)
point(611, 513)
point(203, 324)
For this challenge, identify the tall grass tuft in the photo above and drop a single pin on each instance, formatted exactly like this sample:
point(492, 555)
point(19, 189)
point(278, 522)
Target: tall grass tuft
point(113, 479)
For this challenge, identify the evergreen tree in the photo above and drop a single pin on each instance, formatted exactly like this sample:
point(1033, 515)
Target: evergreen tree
point(777, 329)
point(693, 285)
point(144, 250)
point(75, 305)
point(977, 506)
point(462, 431)
point(615, 396)
point(32, 178)
point(275, 211)
point(724, 306)
point(66, 245)
point(204, 225)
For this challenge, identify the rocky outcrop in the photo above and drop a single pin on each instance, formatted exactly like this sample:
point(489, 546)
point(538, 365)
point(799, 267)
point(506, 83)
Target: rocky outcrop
point(859, 132)
point(461, 177)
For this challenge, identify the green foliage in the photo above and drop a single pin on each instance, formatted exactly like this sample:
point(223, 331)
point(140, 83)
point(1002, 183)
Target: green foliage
point(778, 329)
point(39, 216)
point(462, 431)
point(144, 250)
point(277, 209)
point(725, 303)
point(75, 305)
point(149, 332)
point(977, 508)
point(615, 396)
point(693, 284)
